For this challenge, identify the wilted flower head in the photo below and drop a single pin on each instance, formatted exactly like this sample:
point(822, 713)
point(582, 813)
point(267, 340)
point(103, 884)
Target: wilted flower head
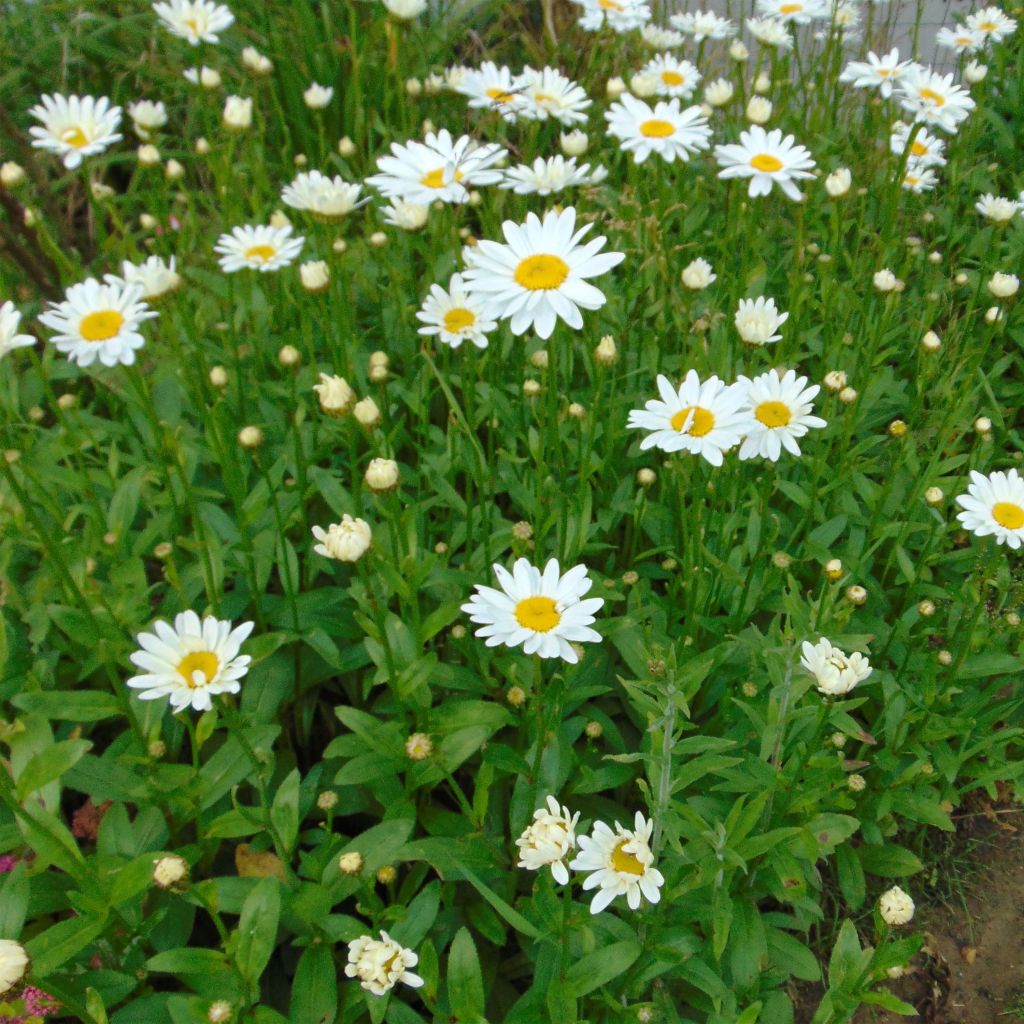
point(835, 672)
point(548, 840)
point(380, 964)
point(895, 906)
point(346, 541)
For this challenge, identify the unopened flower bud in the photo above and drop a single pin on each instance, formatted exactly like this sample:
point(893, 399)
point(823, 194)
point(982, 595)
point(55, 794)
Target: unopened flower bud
point(250, 437)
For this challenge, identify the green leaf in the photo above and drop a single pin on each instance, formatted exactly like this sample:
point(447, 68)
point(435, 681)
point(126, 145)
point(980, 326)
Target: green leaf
point(69, 706)
point(195, 960)
point(14, 894)
point(49, 764)
point(59, 943)
point(889, 861)
point(315, 987)
point(257, 929)
point(284, 812)
point(465, 981)
point(602, 966)
point(851, 876)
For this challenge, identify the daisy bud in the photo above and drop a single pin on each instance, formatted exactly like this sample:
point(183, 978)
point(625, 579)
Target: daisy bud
point(413, 87)
point(382, 475)
point(11, 456)
point(170, 872)
point(346, 147)
point(406, 10)
point(531, 388)
point(615, 88)
point(475, 197)
point(279, 219)
point(895, 906)
point(856, 783)
point(346, 541)
point(300, 160)
point(606, 351)
point(316, 97)
point(897, 428)
point(315, 275)
point(931, 342)
point(833, 569)
point(289, 356)
point(646, 477)
point(1012, 619)
point(366, 413)
point(993, 315)
point(255, 62)
point(975, 72)
point(516, 696)
point(157, 749)
point(926, 608)
point(237, 113)
point(577, 411)
point(856, 595)
point(522, 530)
point(594, 730)
point(944, 658)
point(67, 401)
point(386, 875)
point(782, 560)
point(698, 274)
point(147, 221)
point(101, 192)
point(643, 85)
point(848, 396)
point(895, 973)
point(219, 1012)
point(838, 740)
point(202, 147)
point(961, 278)
point(934, 496)
point(35, 414)
point(718, 92)
point(837, 184)
point(935, 256)
point(982, 424)
point(350, 863)
point(759, 110)
point(738, 51)
point(174, 170)
point(148, 155)
point(1003, 286)
point(749, 688)
point(573, 143)
point(378, 239)
point(835, 380)
point(418, 747)
point(379, 358)
point(433, 84)
point(11, 174)
point(884, 280)
point(14, 964)
point(338, 246)
point(378, 374)
point(539, 359)
point(209, 78)
point(428, 126)
point(762, 83)
point(458, 631)
point(250, 437)
point(440, 548)
point(218, 376)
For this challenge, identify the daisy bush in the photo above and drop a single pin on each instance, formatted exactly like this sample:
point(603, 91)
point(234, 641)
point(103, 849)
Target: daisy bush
point(508, 512)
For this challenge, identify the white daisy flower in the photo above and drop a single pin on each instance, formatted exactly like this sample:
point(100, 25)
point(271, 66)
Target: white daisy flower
point(994, 506)
point(407, 216)
point(673, 77)
point(545, 177)
point(770, 32)
point(147, 117)
point(926, 150)
point(961, 39)
point(997, 209)
point(658, 38)
point(548, 93)
point(208, 78)
point(703, 418)
point(933, 99)
point(542, 612)
point(317, 96)
point(798, 12)
point(10, 339)
point(767, 159)
point(490, 87)
point(703, 25)
point(190, 662)
point(437, 169)
point(326, 198)
point(263, 248)
point(835, 673)
point(918, 178)
point(455, 315)
point(620, 16)
point(780, 412)
point(380, 964)
point(991, 23)
point(155, 276)
point(621, 864)
point(548, 840)
point(665, 129)
point(98, 321)
point(540, 275)
point(198, 21)
point(758, 319)
point(74, 127)
point(346, 541)
point(876, 72)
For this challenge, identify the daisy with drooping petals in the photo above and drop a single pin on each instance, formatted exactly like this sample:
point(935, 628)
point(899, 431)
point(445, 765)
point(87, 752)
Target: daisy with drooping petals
point(455, 315)
point(703, 418)
point(540, 275)
point(154, 275)
point(876, 72)
point(621, 864)
point(406, 216)
point(994, 506)
point(260, 247)
point(99, 321)
point(10, 339)
point(770, 32)
point(767, 159)
point(926, 150)
point(673, 77)
point(490, 87)
point(918, 179)
point(991, 23)
point(780, 412)
point(190, 662)
point(658, 38)
point(439, 168)
point(758, 319)
point(961, 39)
point(835, 672)
point(620, 16)
point(545, 177)
point(997, 209)
point(543, 612)
point(548, 93)
point(75, 127)
point(933, 99)
point(665, 129)
point(380, 964)
point(799, 12)
point(548, 840)
point(197, 21)
point(703, 25)
point(147, 117)
point(326, 198)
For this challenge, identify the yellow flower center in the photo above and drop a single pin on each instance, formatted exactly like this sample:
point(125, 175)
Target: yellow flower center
point(672, 78)
point(74, 137)
point(261, 253)
point(791, 8)
point(911, 179)
point(1009, 515)
point(625, 862)
point(766, 162)
point(543, 97)
point(458, 319)
point(499, 96)
point(610, 5)
point(538, 614)
point(883, 72)
point(101, 325)
point(918, 148)
point(657, 129)
point(205, 662)
point(190, 24)
point(541, 272)
point(928, 94)
point(773, 414)
point(964, 41)
point(435, 178)
point(987, 26)
point(703, 421)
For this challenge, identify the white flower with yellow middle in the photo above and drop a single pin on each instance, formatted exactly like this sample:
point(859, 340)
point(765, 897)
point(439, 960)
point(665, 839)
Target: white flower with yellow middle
point(548, 840)
point(195, 21)
point(663, 129)
point(74, 127)
point(326, 198)
point(780, 410)
point(673, 77)
point(455, 315)
point(262, 247)
point(767, 159)
point(994, 507)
